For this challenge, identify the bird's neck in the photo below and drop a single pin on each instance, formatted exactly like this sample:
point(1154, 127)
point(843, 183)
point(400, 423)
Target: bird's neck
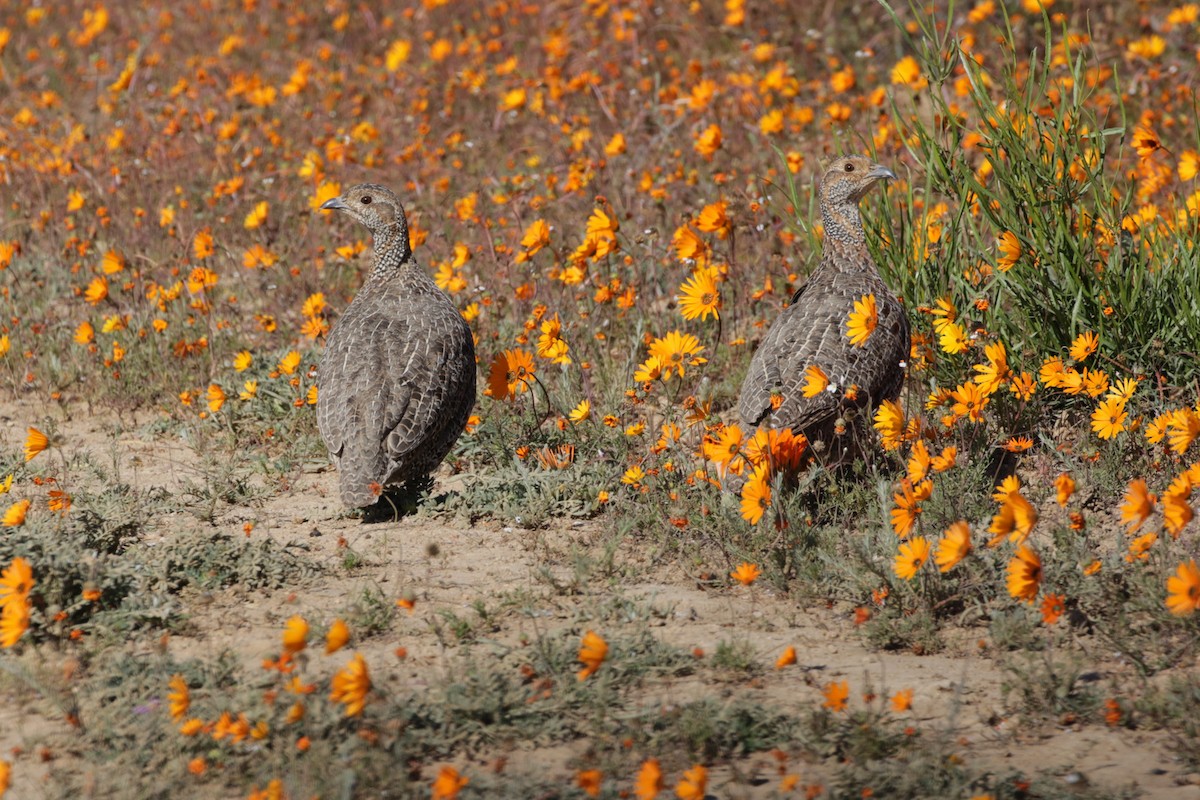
point(845, 242)
point(392, 250)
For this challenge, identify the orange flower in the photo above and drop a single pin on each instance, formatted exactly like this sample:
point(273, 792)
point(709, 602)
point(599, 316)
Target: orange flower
point(338, 635)
point(1138, 505)
point(295, 635)
point(693, 783)
point(35, 442)
point(862, 321)
point(836, 695)
point(708, 141)
point(902, 700)
point(746, 573)
point(592, 653)
point(14, 516)
point(649, 780)
point(16, 581)
point(1025, 574)
point(815, 381)
point(178, 699)
point(787, 659)
point(1016, 519)
point(912, 556)
point(1183, 589)
point(1064, 486)
point(953, 546)
point(351, 685)
point(1052, 608)
point(448, 783)
point(588, 780)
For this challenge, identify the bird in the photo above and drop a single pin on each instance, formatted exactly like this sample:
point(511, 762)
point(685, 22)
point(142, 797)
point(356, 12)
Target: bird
point(812, 330)
point(396, 383)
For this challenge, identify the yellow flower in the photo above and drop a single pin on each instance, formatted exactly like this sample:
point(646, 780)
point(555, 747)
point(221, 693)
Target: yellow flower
point(1183, 589)
point(907, 72)
point(912, 556)
point(969, 402)
point(337, 636)
point(676, 351)
point(592, 652)
point(448, 784)
point(633, 476)
point(1109, 418)
point(1084, 345)
point(815, 382)
point(295, 635)
point(861, 322)
point(953, 546)
point(325, 192)
point(952, 339)
point(581, 412)
point(397, 53)
point(257, 216)
point(756, 497)
point(35, 442)
point(746, 573)
point(1189, 165)
point(288, 364)
point(890, 422)
point(699, 296)
point(615, 146)
point(351, 685)
point(996, 372)
point(1025, 574)
point(242, 361)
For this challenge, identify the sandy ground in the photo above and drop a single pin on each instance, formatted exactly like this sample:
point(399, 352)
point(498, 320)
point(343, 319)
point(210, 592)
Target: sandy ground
point(447, 567)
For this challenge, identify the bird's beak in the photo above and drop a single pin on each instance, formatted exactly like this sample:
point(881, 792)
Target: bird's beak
point(878, 172)
point(337, 204)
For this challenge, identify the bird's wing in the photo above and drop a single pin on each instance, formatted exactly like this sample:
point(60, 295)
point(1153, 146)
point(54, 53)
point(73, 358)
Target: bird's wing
point(813, 333)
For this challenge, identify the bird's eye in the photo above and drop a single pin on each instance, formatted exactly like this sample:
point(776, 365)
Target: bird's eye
point(366, 199)
point(849, 167)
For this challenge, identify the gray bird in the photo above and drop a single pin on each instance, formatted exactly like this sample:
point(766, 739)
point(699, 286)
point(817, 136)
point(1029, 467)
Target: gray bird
point(396, 383)
point(812, 331)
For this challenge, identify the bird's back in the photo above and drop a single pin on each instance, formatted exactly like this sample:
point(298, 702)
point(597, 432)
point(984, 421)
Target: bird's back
point(396, 383)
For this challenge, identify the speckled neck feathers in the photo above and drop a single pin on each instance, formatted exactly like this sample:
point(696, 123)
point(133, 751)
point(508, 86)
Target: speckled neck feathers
point(393, 252)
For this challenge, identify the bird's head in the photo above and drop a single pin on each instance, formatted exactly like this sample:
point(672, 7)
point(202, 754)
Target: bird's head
point(371, 204)
point(848, 179)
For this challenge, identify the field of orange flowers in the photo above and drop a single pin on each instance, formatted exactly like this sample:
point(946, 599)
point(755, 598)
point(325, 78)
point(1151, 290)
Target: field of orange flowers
point(619, 196)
